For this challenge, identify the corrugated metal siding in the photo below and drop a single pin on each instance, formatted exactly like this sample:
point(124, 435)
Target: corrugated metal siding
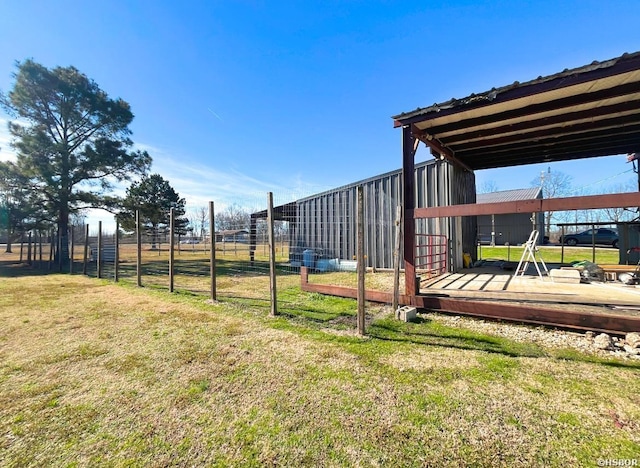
point(327, 221)
point(513, 228)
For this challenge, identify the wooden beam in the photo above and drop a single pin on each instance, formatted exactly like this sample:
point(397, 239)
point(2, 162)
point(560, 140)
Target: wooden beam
point(589, 202)
point(572, 100)
point(437, 146)
point(360, 260)
point(539, 143)
point(272, 256)
point(408, 198)
point(528, 125)
point(570, 132)
point(492, 160)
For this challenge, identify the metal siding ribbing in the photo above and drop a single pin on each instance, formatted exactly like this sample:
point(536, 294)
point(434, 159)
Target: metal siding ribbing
point(327, 221)
point(513, 228)
point(465, 193)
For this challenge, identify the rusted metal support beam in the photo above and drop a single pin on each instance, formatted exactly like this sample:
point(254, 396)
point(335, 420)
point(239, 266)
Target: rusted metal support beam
point(539, 315)
point(408, 197)
point(437, 146)
point(612, 200)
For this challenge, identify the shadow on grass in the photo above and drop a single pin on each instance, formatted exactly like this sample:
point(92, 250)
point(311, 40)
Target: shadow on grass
point(427, 332)
point(303, 308)
point(301, 315)
point(435, 334)
point(15, 269)
point(325, 313)
point(160, 267)
point(339, 313)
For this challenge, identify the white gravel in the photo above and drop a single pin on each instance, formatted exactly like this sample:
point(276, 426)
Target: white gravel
point(547, 337)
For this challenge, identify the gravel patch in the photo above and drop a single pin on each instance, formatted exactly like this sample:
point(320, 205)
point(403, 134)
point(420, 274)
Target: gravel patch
point(547, 337)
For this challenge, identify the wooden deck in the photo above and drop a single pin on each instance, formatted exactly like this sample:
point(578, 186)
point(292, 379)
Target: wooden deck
point(496, 294)
point(493, 283)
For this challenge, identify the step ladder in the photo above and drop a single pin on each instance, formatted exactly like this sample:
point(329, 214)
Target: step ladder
point(529, 256)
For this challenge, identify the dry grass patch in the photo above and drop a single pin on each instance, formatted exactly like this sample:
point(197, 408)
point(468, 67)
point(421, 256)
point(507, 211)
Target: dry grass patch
point(95, 374)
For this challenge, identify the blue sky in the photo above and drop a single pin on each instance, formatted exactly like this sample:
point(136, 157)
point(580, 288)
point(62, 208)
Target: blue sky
point(234, 99)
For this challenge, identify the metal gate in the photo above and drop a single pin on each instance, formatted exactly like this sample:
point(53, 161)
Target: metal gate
point(431, 254)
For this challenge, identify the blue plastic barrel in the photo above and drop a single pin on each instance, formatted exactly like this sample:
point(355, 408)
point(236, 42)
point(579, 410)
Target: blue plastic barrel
point(309, 258)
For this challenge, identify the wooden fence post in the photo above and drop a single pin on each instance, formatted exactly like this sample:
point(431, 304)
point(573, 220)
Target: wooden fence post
point(73, 243)
point(40, 248)
point(116, 256)
point(272, 255)
point(212, 260)
point(21, 245)
point(138, 250)
point(36, 239)
point(361, 265)
point(99, 253)
point(35, 249)
point(396, 262)
point(29, 249)
point(59, 251)
point(86, 249)
point(171, 239)
point(51, 249)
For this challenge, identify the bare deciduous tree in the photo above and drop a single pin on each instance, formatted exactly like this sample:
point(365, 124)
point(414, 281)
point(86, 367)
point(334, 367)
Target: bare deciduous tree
point(554, 184)
point(233, 217)
point(488, 186)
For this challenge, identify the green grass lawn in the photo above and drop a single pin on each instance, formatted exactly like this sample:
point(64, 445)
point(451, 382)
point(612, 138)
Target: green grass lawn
point(98, 374)
point(553, 254)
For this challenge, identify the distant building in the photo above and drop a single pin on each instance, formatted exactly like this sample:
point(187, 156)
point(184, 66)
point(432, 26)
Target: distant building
point(326, 222)
point(233, 235)
point(512, 228)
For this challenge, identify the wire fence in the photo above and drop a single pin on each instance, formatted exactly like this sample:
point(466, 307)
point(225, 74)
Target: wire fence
point(249, 253)
point(318, 233)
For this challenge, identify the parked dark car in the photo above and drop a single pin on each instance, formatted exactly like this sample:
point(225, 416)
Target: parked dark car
point(603, 236)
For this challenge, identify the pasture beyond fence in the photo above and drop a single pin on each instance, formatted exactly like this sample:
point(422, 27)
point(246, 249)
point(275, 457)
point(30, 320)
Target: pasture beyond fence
point(222, 264)
point(244, 260)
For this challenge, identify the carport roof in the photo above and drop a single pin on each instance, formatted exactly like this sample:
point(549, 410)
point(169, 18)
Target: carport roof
point(510, 195)
point(585, 112)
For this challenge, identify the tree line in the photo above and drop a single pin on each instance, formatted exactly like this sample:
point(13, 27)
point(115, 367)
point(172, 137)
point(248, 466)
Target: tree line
point(73, 144)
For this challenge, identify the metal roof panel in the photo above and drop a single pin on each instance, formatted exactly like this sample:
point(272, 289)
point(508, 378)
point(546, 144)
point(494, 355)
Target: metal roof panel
point(510, 195)
point(585, 112)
